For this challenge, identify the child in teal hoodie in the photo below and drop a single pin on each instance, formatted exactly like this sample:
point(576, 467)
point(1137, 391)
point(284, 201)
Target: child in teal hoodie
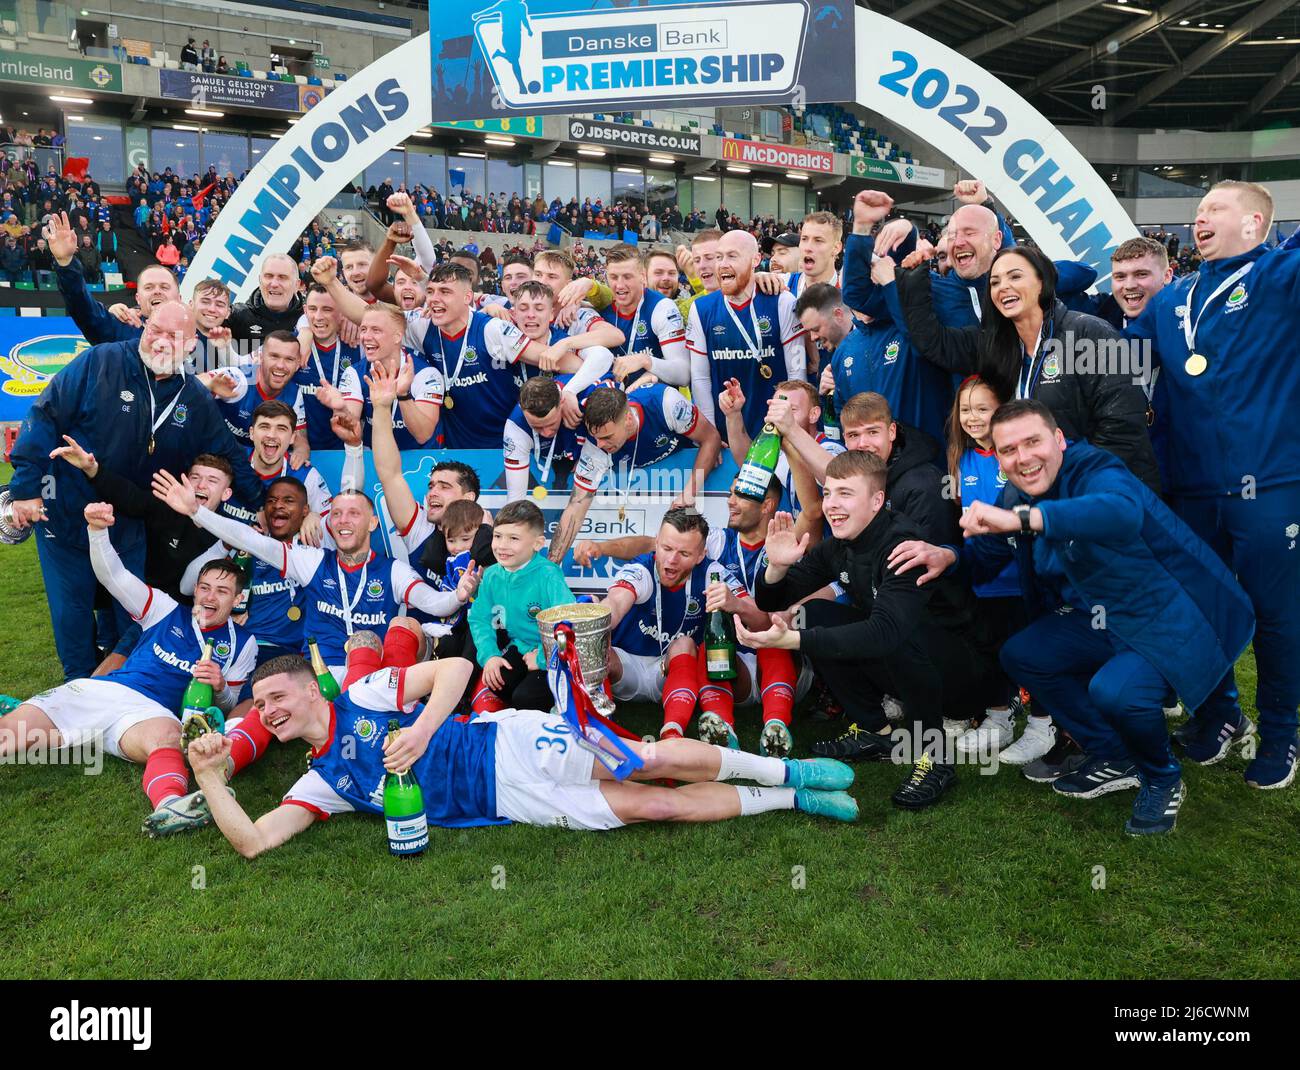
point(503, 618)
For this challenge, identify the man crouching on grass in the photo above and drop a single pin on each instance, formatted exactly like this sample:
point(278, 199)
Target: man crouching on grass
point(514, 765)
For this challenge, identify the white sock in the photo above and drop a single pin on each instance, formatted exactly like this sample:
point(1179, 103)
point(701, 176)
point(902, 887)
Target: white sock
point(761, 800)
point(741, 765)
point(999, 717)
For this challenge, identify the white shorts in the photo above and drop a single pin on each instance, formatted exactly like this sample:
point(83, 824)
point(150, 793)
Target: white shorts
point(642, 680)
point(803, 682)
point(83, 709)
point(543, 776)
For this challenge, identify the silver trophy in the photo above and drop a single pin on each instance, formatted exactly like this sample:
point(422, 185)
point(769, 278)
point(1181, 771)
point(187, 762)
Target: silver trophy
point(591, 627)
point(10, 533)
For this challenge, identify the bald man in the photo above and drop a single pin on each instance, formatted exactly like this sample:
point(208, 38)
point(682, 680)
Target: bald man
point(276, 306)
point(740, 334)
point(130, 404)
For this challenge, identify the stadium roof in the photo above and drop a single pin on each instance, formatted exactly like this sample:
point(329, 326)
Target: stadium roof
point(1181, 64)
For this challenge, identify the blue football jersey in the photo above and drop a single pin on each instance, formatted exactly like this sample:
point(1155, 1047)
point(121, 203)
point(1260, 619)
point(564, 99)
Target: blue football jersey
point(982, 480)
point(456, 774)
point(660, 614)
point(328, 364)
point(425, 390)
point(237, 411)
point(759, 344)
point(665, 419)
point(161, 663)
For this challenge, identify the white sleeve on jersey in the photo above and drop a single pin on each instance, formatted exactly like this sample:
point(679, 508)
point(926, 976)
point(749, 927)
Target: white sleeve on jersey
point(300, 412)
point(701, 385)
point(146, 604)
point(297, 563)
point(584, 320)
point(419, 529)
point(679, 413)
point(426, 386)
point(716, 543)
point(350, 385)
point(382, 692)
point(191, 575)
point(674, 367)
point(353, 474)
point(793, 337)
point(239, 378)
point(596, 361)
point(517, 447)
point(592, 467)
point(302, 327)
point(311, 792)
point(729, 576)
point(318, 493)
point(636, 578)
point(410, 589)
point(504, 341)
point(425, 255)
point(417, 327)
point(244, 664)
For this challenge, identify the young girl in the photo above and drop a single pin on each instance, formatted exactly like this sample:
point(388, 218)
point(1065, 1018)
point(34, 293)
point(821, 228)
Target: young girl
point(973, 469)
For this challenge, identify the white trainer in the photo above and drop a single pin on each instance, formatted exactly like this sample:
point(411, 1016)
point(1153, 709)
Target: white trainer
point(1036, 740)
point(893, 709)
point(955, 729)
point(991, 736)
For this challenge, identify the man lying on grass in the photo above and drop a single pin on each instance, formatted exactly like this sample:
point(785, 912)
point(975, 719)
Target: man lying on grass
point(514, 765)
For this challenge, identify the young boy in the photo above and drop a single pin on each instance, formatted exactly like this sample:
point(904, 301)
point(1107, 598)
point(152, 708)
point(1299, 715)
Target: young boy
point(461, 521)
point(503, 619)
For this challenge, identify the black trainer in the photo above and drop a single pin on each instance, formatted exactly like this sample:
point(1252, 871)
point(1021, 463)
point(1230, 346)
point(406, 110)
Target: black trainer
point(1064, 758)
point(824, 706)
point(856, 745)
point(926, 785)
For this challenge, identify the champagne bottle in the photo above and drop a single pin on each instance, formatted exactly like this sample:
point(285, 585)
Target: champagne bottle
point(244, 562)
point(830, 422)
point(719, 642)
point(329, 687)
point(198, 695)
point(408, 827)
point(760, 464)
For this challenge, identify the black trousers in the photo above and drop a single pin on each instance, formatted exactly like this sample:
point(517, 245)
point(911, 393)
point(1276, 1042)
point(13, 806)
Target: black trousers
point(936, 673)
point(522, 687)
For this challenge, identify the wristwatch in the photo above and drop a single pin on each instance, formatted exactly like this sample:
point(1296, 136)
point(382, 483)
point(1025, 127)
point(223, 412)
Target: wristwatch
point(403, 397)
point(1022, 511)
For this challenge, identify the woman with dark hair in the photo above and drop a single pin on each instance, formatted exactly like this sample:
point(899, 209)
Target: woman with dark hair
point(1028, 345)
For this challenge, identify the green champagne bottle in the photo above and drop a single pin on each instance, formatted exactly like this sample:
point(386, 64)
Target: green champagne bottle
point(719, 642)
point(830, 422)
point(408, 826)
point(244, 562)
point(760, 464)
point(329, 687)
point(198, 695)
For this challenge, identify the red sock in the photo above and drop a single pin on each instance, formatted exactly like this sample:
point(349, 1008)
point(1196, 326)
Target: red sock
point(485, 700)
point(248, 740)
point(776, 676)
point(165, 775)
point(716, 696)
point(681, 689)
point(362, 661)
point(401, 646)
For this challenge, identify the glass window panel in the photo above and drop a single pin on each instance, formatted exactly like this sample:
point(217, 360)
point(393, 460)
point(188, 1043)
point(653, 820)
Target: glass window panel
point(532, 180)
point(660, 190)
point(793, 199)
point(257, 148)
point(177, 149)
point(735, 195)
point(391, 165)
point(708, 196)
point(466, 176)
point(101, 144)
point(594, 183)
point(228, 153)
point(763, 199)
point(559, 182)
point(629, 188)
point(505, 176)
point(427, 169)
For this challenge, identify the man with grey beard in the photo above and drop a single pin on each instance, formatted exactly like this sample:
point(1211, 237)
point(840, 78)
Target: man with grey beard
point(131, 404)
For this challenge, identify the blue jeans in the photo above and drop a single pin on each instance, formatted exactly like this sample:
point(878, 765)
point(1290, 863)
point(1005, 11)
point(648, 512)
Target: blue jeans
point(70, 590)
point(1252, 537)
point(1106, 696)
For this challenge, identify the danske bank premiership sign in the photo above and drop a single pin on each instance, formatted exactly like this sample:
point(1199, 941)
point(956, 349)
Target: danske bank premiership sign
point(570, 55)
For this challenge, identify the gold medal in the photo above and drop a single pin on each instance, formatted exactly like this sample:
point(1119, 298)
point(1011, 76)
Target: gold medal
point(1196, 364)
point(539, 492)
point(622, 513)
point(294, 613)
point(151, 445)
point(765, 371)
point(448, 402)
